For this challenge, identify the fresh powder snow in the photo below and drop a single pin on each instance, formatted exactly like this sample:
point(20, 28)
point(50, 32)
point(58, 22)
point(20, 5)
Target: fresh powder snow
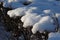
point(54, 36)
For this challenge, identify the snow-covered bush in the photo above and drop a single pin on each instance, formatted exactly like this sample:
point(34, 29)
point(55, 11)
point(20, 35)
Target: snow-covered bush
point(38, 14)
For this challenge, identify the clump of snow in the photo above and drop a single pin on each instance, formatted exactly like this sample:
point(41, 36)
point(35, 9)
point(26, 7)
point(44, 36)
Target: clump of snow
point(45, 23)
point(31, 9)
point(11, 0)
point(46, 11)
point(27, 16)
point(30, 17)
point(16, 0)
point(29, 13)
point(30, 21)
point(34, 10)
point(30, 0)
point(54, 36)
point(17, 12)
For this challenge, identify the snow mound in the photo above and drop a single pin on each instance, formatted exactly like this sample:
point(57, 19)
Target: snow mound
point(45, 23)
point(17, 12)
point(54, 36)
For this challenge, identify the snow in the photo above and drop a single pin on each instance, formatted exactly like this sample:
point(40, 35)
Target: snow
point(51, 0)
point(43, 5)
point(38, 14)
point(28, 13)
point(54, 36)
point(17, 12)
point(19, 3)
point(58, 17)
point(25, 17)
point(49, 12)
point(46, 11)
point(45, 23)
point(13, 3)
point(30, 21)
point(43, 0)
point(16, 5)
point(30, 18)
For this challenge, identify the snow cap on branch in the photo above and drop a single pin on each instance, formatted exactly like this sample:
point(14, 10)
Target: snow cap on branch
point(17, 12)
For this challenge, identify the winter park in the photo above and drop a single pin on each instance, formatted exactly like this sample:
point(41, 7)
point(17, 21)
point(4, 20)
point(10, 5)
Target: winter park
point(29, 19)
